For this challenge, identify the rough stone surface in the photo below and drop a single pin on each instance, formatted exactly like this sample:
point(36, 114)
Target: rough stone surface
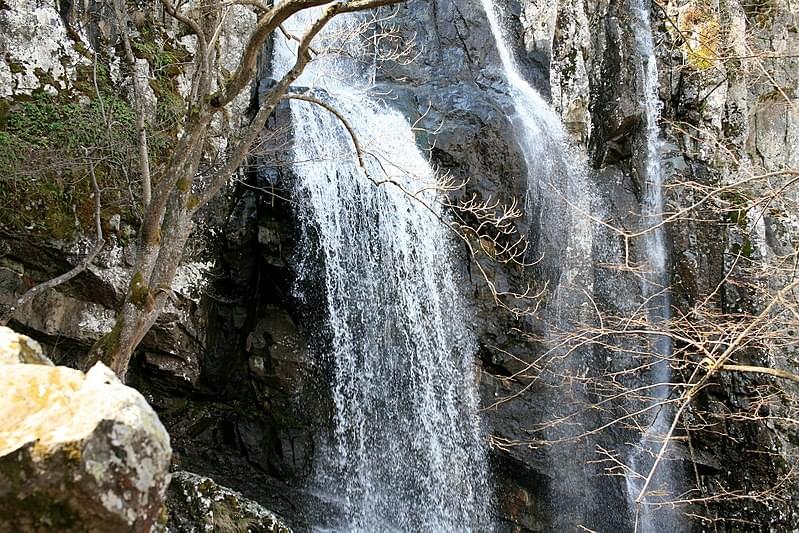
point(36, 50)
point(196, 504)
point(16, 348)
point(78, 452)
point(68, 320)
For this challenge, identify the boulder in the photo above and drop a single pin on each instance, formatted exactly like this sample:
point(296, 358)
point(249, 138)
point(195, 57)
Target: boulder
point(197, 503)
point(16, 348)
point(78, 452)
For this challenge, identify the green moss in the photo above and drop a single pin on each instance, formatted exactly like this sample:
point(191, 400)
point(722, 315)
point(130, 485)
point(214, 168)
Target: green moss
point(82, 50)
point(184, 185)
point(16, 68)
point(170, 110)
point(108, 344)
point(748, 249)
point(745, 250)
point(145, 50)
point(44, 164)
point(12, 150)
point(738, 217)
point(737, 208)
point(139, 293)
point(192, 203)
point(53, 122)
point(5, 108)
point(45, 78)
point(87, 75)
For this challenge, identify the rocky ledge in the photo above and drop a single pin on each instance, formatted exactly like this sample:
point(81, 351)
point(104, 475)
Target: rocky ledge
point(197, 503)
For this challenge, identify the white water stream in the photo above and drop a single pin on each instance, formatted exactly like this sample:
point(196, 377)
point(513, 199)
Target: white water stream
point(650, 517)
point(406, 454)
point(558, 189)
point(559, 206)
point(560, 192)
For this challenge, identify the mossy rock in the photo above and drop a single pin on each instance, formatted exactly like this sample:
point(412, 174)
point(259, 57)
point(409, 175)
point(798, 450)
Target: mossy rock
point(699, 29)
point(197, 503)
point(45, 162)
point(78, 452)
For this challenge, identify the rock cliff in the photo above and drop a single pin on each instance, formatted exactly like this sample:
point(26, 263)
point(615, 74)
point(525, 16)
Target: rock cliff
point(228, 368)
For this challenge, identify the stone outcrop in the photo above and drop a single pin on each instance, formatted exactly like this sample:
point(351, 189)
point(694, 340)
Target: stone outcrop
point(197, 504)
point(78, 452)
point(20, 349)
point(50, 65)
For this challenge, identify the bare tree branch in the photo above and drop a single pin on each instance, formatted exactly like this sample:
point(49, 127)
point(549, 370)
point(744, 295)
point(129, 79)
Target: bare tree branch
point(242, 149)
point(31, 293)
point(268, 24)
point(776, 372)
point(138, 97)
point(347, 126)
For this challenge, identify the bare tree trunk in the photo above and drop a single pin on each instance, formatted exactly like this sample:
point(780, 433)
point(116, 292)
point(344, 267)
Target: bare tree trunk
point(145, 301)
point(138, 97)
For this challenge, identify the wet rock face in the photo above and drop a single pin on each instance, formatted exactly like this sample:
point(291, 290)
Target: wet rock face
point(78, 452)
point(250, 419)
point(586, 52)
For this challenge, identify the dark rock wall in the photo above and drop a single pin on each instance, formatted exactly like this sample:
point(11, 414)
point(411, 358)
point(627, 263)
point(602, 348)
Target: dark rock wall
point(718, 134)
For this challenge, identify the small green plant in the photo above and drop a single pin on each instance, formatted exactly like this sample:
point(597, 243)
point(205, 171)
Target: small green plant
point(47, 145)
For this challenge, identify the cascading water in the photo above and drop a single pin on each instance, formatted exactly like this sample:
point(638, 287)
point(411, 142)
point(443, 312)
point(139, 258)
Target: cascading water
point(558, 191)
point(650, 517)
point(559, 207)
point(406, 453)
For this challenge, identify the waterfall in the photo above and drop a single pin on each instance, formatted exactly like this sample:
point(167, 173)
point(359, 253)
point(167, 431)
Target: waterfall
point(406, 452)
point(655, 290)
point(558, 192)
point(559, 207)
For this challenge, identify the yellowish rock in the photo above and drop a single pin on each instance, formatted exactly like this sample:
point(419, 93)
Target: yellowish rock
point(700, 31)
point(78, 452)
point(16, 348)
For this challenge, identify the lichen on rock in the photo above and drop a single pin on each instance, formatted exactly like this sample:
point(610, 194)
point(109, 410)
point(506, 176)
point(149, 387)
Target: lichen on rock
point(78, 452)
point(16, 348)
point(197, 503)
point(39, 52)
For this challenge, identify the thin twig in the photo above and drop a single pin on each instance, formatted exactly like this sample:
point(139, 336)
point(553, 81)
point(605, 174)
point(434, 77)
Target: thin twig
point(31, 293)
